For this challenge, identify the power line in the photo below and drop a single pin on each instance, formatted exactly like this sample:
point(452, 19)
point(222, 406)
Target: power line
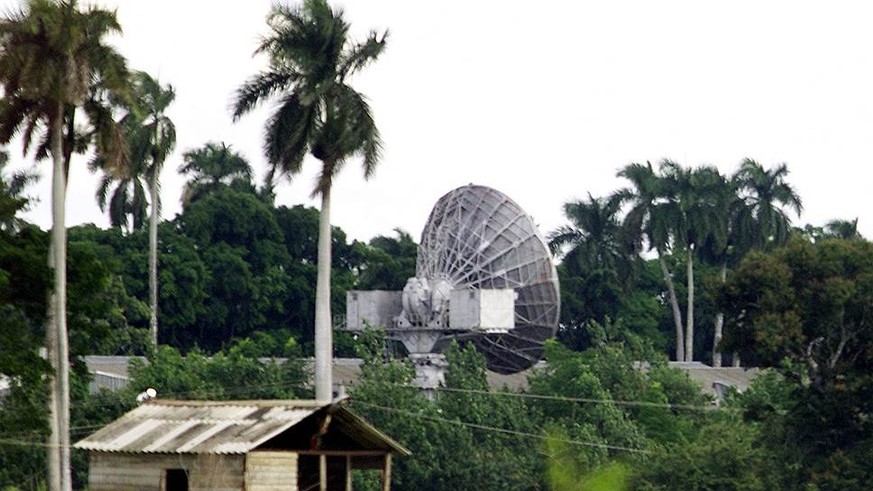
point(527, 395)
point(501, 430)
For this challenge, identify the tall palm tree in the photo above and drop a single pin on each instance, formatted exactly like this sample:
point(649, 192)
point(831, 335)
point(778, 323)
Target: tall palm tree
point(211, 166)
point(311, 58)
point(726, 248)
point(650, 221)
point(759, 219)
point(52, 61)
point(697, 209)
point(151, 137)
point(154, 140)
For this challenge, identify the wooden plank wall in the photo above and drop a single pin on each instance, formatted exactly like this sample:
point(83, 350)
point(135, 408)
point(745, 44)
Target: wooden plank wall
point(271, 471)
point(121, 472)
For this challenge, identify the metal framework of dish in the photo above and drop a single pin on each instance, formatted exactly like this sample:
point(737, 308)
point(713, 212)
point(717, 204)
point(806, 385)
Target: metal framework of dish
point(483, 273)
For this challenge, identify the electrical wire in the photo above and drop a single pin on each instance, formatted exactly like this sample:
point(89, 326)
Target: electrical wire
point(527, 395)
point(230, 390)
point(501, 430)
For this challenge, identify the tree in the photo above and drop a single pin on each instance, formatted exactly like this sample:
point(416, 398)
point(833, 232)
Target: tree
point(211, 166)
point(758, 218)
point(54, 61)
point(649, 220)
point(12, 197)
point(766, 193)
point(387, 262)
point(596, 269)
point(24, 279)
point(697, 207)
point(804, 310)
point(842, 229)
point(725, 248)
point(595, 238)
point(150, 136)
point(311, 59)
point(227, 375)
point(722, 455)
point(121, 193)
point(237, 237)
point(153, 140)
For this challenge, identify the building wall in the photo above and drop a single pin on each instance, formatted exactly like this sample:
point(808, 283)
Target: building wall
point(271, 471)
point(121, 472)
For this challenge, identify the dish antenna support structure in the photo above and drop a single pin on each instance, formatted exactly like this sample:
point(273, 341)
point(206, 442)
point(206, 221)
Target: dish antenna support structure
point(484, 275)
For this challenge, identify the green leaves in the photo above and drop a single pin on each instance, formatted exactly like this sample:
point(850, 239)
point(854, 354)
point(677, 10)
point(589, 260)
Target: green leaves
point(319, 113)
point(804, 310)
point(212, 167)
point(230, 374)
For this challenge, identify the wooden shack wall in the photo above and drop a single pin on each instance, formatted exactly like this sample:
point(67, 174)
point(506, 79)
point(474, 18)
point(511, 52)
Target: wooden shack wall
point(271, 471)
point(121, 472)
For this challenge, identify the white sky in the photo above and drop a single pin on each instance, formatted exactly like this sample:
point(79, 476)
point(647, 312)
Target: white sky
point(543, 101)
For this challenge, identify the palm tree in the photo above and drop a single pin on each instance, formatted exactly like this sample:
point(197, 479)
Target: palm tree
point(151, 136)
point(843, 229)
point(211, 166)
point(595, 238)
point(759, 220)
point(154, 141)
point(766, 193)
point(725, 248)
point(697, 210)
point(53, 61)
point(311, 59)
point(121, 191)
point(650, 220)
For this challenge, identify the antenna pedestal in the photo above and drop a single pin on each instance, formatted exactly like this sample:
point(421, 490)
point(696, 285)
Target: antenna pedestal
point(430, 370)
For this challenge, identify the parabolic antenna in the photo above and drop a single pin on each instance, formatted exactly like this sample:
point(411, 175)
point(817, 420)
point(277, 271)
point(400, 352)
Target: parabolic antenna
point(484, 274)
point(478, 238)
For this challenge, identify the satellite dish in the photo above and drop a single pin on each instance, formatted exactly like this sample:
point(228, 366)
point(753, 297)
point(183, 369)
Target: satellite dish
point(484, 274)
point(147, 394)
point(478, 238)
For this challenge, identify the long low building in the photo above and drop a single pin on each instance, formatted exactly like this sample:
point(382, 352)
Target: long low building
point(110, 372)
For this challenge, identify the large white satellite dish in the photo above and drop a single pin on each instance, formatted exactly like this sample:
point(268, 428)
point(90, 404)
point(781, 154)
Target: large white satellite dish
point(484, 274)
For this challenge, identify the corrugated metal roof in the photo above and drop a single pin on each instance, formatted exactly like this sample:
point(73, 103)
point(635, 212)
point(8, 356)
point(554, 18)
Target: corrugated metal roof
point(201, 427)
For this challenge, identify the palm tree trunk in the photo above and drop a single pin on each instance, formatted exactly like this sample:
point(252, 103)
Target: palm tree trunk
point(57, 344)
point(689, 320)
point(323, 328)
point(674, 304)
point(719, 324)
point(51, 347)
point(153, 258)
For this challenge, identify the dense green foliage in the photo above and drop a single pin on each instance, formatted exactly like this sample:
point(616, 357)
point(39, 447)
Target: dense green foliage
point(581, 413)
point(805, 311)
point(680, 261)
point(591, 407)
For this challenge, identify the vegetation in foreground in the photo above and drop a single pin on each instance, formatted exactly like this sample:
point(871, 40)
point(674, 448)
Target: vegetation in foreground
point(682, 262)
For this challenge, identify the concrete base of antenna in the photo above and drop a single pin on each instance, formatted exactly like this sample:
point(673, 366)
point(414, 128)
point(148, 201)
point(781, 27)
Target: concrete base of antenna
point(430, 371)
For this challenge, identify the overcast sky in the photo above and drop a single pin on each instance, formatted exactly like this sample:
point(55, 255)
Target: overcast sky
point(543, 101)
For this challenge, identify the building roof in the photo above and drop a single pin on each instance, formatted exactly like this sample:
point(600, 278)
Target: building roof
point(227, 427)
point(347, 372)
point(713, 380)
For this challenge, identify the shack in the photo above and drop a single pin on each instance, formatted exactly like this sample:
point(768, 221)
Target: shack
point(166, 445)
